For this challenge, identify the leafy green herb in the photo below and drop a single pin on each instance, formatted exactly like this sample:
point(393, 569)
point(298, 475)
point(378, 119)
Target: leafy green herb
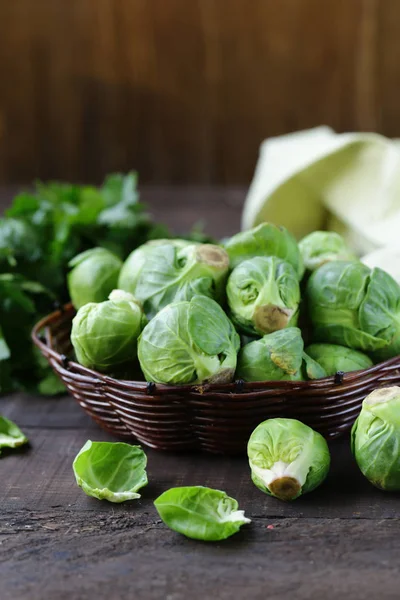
point(200, 513)
point(111, 471)
point(10, 434)
point(41, 232)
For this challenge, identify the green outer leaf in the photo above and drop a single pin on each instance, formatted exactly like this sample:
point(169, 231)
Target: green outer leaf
point(375, 438)
point(313, 370)
point(209, 327)
point(112, 471)
point(10, 434)
point(200, 513)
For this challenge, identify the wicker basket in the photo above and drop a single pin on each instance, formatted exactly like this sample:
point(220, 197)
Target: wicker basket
point(216, 418)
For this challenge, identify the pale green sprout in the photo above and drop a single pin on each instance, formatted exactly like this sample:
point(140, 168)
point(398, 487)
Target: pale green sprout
point(334, 358)
point(10, 434)
point(266, 239)
point(352, 305)
point(165, 271)
point(111, 471)
point(104, 335)
point(263, 295)
point(94, 275)
point(287, 458)
point(375, 438)
point(200, 513)
point(320, 247)
point(189, 342)
point(275, 357)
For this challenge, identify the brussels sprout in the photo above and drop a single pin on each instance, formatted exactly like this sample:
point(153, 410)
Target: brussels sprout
point(104, 335)
point(111, 471)
point(263, 295)
point(94, 275)
point(10, 434)
point(334, 358)
point(265, 240)
point(352, 305)
point(200, 513)
point(375, 438)
point(189, 342)
point(321, 247)
point(287, 458)
point(161, 273)
point(275, 357)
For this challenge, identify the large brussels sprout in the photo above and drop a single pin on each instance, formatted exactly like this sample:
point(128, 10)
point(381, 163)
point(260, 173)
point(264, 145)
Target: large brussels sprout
point(375, 438)
point(287, 458)
point(275, 357)
point(104, 335)
point(352, 305)
point(173, 270)
point(334, 358)
point(263, 295)
point(320, 247)
point(265, 240)
point(189, 342)
point(93, 277)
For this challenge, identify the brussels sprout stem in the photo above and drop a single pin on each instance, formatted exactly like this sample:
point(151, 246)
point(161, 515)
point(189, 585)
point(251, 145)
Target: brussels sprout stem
point(269, 317)
point(285, 488)
point(213, 255)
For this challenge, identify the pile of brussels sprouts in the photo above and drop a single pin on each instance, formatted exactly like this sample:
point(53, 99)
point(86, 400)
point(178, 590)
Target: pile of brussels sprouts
point(258, 307)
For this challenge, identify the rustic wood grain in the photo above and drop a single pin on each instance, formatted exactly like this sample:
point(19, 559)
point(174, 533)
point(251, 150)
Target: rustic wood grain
point(184, 91)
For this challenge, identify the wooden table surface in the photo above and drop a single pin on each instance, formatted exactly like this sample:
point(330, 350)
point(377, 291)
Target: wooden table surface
point(55, 542)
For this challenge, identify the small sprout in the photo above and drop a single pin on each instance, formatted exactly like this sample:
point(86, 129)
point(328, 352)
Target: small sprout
point(189, 342)
point(111, 471)
point(334, 358)
point(263, 295)
point(200, 513)
point(287, 458)
point(375, 438)
point(320, 247)
point(104, 335)
point(93, 276)
point(164, 271)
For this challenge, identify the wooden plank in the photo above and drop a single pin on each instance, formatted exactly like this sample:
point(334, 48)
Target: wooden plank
point(67, 555)
point(182, 91)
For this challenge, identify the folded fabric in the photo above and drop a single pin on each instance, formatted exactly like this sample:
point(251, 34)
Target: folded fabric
point(318, 179)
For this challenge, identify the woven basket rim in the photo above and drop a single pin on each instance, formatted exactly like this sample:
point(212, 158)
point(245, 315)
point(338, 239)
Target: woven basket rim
point(238, 387)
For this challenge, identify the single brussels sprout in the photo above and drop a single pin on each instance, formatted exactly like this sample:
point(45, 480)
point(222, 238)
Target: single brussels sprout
point(375, 438)
point(311, 369)
point(111, 471)
point(287, 458)
point(200, 513)
point(93, 277)
point(320, 247)
point(265, 240)
point(161, 273)
point(275, 357)
point(189, 342)
point(334, 358)
point(263, 295)
point(352, 305)
point(10, 434)
point(104, 335)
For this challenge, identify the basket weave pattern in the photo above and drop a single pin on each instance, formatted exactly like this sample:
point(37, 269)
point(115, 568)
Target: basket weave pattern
point(216, 418)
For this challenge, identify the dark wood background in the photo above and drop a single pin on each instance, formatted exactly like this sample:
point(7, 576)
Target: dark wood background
point(185, 90)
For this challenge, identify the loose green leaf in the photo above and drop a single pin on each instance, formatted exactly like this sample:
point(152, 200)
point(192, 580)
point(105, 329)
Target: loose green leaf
point(10, 434)
point(200, 513)
point(111, 471)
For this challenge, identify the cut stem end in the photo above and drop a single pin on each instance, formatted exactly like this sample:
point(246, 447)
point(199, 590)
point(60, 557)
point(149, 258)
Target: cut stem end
point(285, 488)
